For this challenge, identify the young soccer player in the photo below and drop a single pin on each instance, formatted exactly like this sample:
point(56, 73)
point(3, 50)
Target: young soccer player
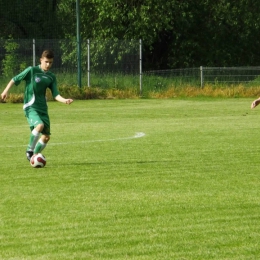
point(37, 80)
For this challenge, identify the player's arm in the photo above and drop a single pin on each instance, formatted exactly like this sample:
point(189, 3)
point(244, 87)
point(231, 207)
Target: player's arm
point(64, 100)
point(255, 103)
point(5, 92)
point(15, 80)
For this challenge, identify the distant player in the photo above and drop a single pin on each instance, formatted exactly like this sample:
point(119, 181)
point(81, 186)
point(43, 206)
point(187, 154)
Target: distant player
point(37, 80)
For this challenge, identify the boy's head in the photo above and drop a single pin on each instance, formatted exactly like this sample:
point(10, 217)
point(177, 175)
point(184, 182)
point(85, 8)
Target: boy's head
point(48, 54)
point(46, 60)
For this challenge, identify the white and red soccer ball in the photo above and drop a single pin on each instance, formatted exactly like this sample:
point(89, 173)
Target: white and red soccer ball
point(38, 160)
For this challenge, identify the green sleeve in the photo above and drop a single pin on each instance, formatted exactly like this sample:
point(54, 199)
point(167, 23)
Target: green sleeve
point(24, 75)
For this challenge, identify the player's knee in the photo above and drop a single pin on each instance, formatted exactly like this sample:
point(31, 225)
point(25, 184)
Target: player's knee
point(39, 127)
point(45, 138)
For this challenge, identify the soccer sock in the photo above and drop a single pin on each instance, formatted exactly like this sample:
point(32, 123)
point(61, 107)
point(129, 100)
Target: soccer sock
point(34, 137)
point(39, 146)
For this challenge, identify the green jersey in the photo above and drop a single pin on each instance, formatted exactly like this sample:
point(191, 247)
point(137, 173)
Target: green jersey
point(36, 83)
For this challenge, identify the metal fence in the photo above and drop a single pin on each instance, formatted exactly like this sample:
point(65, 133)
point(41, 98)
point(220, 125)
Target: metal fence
point(233, 75)
point(203, 75)
point(113, 62)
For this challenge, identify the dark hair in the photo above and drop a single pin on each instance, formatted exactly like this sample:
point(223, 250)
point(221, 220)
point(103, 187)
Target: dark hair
point(48, 54)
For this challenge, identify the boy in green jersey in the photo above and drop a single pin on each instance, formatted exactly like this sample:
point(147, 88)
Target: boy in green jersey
point(37, 80)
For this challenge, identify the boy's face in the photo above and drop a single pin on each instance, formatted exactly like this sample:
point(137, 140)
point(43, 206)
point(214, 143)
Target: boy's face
point(46, 63)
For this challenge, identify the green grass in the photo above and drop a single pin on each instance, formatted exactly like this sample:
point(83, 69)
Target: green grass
point(188, 189)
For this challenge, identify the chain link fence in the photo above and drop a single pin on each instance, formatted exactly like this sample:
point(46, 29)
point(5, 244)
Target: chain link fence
point(110, 63)
point(202, 75)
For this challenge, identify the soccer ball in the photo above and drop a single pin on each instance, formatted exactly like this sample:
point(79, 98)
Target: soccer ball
point(38, 160)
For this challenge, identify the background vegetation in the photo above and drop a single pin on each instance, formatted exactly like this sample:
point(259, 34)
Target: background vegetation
point(168, 90)
point(175, 34)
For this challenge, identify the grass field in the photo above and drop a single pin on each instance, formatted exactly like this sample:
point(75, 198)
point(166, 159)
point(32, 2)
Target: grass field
point(134, 179)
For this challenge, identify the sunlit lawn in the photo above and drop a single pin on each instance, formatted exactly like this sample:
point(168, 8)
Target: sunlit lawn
point(133, 179)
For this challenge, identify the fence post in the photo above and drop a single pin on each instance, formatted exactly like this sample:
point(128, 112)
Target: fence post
point(34, 56)
point(201, 77)
point(88, 63)
point(78, 42)
point(140, 65)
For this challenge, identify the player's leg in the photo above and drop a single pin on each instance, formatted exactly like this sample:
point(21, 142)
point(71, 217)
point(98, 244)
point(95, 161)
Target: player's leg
point(42, 142)
point(36, 126)
point(34, 136)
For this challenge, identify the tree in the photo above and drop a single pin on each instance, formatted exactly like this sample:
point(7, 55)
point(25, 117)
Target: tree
point(29, 19)
point(175, 33)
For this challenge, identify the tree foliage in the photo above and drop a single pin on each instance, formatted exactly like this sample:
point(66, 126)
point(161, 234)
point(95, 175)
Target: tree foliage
point(29, 19)
point(175, 33)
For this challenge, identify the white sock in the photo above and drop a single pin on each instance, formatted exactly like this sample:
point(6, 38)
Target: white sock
point(34, 137)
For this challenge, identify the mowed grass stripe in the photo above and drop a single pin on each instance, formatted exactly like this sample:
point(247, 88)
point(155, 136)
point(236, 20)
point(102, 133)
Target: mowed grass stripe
point(188, 189)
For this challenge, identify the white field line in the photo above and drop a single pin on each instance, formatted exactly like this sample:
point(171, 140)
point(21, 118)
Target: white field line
point(137, 135)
